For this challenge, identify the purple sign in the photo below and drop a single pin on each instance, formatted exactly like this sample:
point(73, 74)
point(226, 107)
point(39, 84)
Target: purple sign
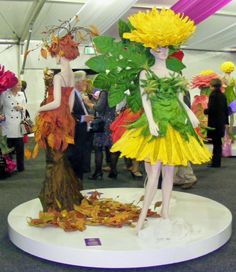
point(92, 242)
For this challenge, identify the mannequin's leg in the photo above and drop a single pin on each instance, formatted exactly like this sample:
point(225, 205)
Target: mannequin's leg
point(153, 172)
point(167, 185)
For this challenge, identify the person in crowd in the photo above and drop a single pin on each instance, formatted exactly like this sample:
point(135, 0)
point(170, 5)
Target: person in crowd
point(133, 167)
point(79, 154)
point(217, 112)
point(184, 175)
point(102, 140)
point(13, 105)
point(23, 88)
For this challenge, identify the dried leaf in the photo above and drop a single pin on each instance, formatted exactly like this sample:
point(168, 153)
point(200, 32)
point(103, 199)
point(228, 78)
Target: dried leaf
point(157, 204)
point(141, 199)
point(27, 153)
point(51, 140)
point(35, 151)
point(93, 210)
point(26, 53)
point(58, 204)
point(69, 140)
point(95, 195)
point(94, 30)
point(81, 36)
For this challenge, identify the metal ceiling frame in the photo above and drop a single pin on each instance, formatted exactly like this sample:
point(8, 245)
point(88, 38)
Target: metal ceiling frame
point(37, 6)
point(33, 13)
point(28, 27)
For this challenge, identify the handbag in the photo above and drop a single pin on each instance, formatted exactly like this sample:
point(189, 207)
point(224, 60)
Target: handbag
point(97, 125)
point(227, 146)
point(26, 126)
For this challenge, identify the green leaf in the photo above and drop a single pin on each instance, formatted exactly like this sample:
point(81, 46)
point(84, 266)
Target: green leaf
point(174, 65)
point(116, 95)
point(97, 64)
point(173, 49)
point(123, 27)
point(119, 65)
point(103, 43)
point(101, 81)
point(134, 100)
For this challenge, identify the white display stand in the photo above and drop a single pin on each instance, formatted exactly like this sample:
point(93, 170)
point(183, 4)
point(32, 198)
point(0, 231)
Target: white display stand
point(209, 227)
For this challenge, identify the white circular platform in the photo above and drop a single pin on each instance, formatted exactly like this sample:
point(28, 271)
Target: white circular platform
point(208, 228)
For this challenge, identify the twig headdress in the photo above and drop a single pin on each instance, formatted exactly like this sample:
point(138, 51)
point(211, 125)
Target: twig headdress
point(63, 40)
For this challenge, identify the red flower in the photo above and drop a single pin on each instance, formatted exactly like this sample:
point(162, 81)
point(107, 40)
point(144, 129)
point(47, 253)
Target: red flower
point(178, 55)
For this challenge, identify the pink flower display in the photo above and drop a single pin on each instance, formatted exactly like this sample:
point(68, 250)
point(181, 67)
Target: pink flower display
point(203, 80)
point(7, 79)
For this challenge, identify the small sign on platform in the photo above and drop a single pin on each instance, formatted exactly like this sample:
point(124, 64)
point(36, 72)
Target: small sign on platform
point(92, 242)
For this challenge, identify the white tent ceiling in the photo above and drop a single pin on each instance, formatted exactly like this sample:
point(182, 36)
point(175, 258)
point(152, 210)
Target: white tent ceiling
point(216, 33)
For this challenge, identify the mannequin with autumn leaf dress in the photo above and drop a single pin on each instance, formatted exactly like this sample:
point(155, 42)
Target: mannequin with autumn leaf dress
point(55, 130)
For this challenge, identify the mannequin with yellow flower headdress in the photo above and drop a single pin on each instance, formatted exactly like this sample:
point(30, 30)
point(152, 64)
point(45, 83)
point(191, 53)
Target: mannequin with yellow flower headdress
point(229, 83)
point(164, 135)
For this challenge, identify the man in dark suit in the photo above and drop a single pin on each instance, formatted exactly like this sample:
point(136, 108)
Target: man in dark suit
point(217, 119)
point(79, 153)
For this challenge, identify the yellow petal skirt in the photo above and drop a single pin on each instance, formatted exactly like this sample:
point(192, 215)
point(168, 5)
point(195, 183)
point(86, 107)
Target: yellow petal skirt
point(171, 149)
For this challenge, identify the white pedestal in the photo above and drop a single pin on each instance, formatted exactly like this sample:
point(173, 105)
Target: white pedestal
point(121, 248)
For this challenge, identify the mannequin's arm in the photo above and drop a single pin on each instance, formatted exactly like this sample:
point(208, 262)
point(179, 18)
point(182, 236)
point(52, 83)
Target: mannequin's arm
point(193, 119)
point(56, 94)
point(148, 109)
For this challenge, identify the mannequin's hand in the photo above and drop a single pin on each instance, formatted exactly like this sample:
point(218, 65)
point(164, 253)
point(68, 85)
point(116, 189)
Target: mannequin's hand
point(153, 128)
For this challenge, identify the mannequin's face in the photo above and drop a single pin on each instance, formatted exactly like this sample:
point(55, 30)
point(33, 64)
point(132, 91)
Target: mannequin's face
point(17, 87)
point(161, 53)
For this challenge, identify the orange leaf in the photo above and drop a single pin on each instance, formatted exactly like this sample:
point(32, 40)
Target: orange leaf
point(27, 153)
point(35, 151)
point(69, 140)
point(51, 140)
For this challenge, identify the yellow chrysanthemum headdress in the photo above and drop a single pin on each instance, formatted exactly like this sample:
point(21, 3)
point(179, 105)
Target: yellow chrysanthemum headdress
point(227, 67)
point(160, 28)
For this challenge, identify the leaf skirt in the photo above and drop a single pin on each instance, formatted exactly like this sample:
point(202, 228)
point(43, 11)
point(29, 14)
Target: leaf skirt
point(170, 149)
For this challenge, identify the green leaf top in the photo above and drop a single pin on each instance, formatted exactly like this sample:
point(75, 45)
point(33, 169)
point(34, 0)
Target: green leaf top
point(119, 65)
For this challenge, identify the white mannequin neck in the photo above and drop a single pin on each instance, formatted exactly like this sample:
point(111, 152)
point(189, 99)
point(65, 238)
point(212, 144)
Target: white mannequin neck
point(160, 62)
point(66, 72)
point(65, 65)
